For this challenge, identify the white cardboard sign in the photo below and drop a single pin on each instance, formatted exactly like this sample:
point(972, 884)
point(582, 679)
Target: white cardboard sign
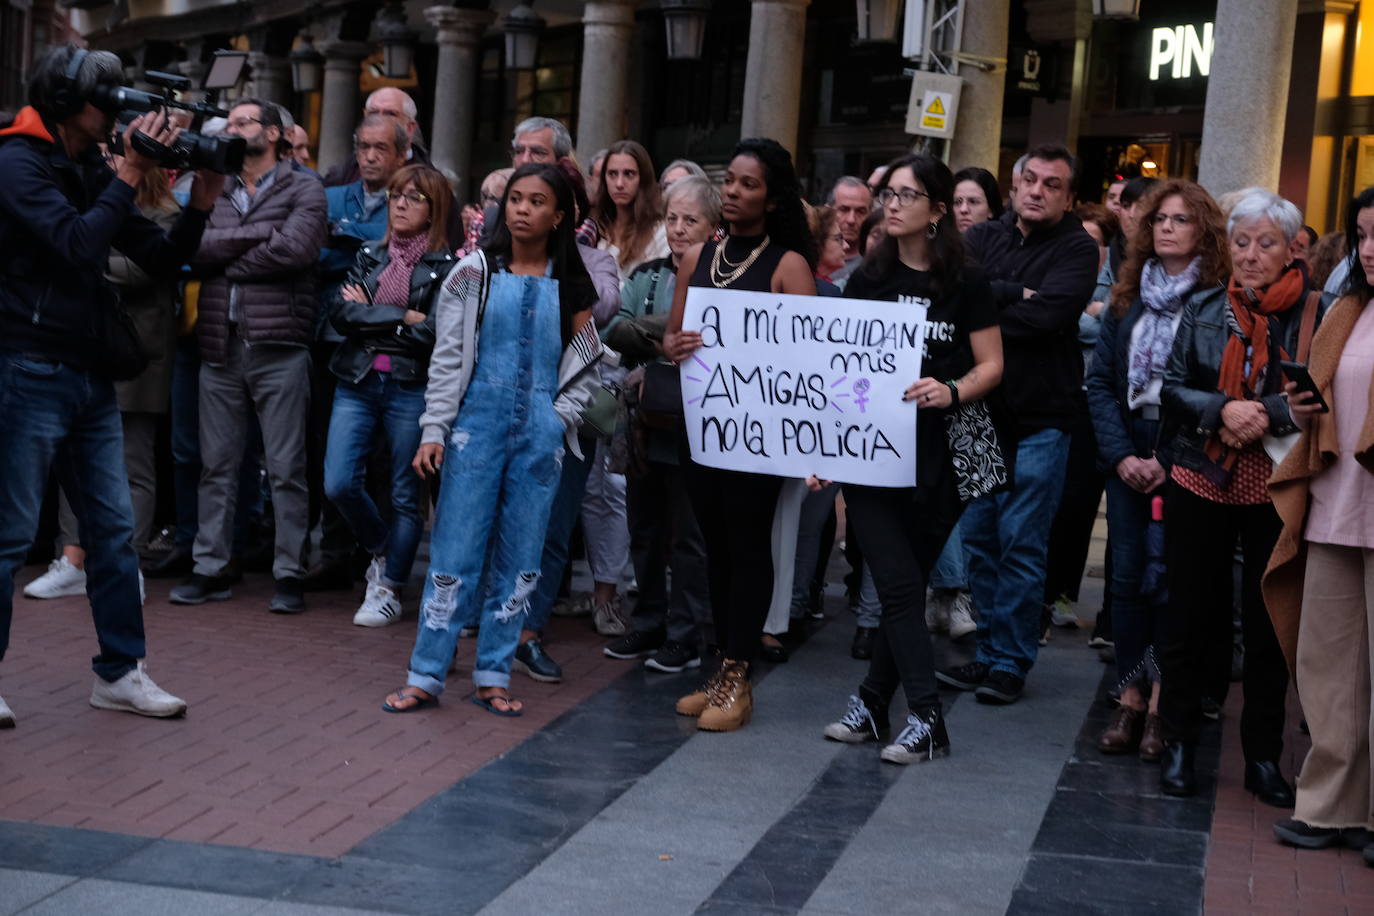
point(800, 385)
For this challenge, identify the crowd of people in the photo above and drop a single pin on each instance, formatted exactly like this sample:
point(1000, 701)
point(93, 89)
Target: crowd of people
point(362, 353)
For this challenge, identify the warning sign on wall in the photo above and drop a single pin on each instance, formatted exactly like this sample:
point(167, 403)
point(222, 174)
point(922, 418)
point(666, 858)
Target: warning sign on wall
point(933, 105)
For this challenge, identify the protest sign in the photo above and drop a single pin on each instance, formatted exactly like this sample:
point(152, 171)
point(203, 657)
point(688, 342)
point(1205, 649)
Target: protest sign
point(800, 385)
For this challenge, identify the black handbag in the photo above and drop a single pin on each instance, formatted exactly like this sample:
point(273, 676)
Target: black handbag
point(120, 354)
point(660, 402)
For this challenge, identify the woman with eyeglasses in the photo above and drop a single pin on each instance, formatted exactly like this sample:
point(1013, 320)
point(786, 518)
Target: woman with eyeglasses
point(831, 245)
point(902, 531)
point(769, 249)
point(1178, 259)
point(385, 314)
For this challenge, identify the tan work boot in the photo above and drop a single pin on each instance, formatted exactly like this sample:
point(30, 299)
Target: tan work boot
point(730, 701)
point(694, 703)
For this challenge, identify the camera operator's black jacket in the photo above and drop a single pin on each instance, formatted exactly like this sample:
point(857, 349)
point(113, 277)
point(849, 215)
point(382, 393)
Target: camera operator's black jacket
point(58, 221)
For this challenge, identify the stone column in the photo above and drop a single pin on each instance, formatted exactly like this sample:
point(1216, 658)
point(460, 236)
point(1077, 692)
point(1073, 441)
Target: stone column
point(271, 77)
point(772, 75)
point(339, 108)
point(602, 106)
point(1247, 94)
point(978, 129)
point(458, 32)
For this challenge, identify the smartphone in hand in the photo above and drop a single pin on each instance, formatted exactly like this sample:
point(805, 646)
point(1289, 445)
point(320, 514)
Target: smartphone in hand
point(1298, 374)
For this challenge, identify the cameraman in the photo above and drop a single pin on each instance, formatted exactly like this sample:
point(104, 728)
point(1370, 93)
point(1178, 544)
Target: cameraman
point(61, 210)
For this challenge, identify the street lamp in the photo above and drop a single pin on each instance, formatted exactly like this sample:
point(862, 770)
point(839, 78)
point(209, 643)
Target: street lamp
point(307, 65)
point(398, 42)
point(522, 26)
point(877, 20)
point(686, 23)
point(1116, 9)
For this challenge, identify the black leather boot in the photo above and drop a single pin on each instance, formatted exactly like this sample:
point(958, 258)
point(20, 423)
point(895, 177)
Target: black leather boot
point(1176, 776)
point(1263, 779)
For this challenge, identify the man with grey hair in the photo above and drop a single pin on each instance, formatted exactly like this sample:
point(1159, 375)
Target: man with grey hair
point(1016, 170)
point(534, 140)
point(62, 209)
point(397, 106)
point(852, 201)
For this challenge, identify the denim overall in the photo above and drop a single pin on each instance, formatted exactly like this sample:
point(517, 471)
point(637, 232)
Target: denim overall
point(501, 469)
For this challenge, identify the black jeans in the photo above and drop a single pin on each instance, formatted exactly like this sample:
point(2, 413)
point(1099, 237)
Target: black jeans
point(901, 539)
point(1201, 543)
point(664, 534)
point(1072, 533)
point(735, 510)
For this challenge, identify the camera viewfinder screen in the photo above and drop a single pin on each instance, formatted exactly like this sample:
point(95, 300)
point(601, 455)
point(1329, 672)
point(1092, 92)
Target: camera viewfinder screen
point(225, 70)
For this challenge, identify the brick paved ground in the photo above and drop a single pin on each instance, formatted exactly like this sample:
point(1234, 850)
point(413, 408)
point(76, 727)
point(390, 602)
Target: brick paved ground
point(1248, 871)
point(286, 747)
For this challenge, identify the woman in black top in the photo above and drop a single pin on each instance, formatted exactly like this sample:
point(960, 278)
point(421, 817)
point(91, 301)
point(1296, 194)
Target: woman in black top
point(902, 531)
point(769, 249)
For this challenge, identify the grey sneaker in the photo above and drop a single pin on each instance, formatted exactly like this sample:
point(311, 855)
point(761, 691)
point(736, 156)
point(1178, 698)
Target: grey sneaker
point(135, 692)
point(6, 716)
point(856, 726)
point(607, 620)
point(961, 622)
point(575, 605)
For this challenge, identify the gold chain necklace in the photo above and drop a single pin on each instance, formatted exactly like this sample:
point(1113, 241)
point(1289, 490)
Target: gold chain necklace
point(721, 279)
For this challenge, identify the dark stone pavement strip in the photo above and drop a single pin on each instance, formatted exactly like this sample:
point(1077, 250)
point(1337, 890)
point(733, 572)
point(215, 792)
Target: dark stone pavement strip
point(1110, 841)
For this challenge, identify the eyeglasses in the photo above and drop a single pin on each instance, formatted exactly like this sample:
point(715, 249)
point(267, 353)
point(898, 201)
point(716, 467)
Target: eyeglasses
point(241, 123)
point(1178, 219)
point(537, 152)
point(907, 196)
point(412, 196)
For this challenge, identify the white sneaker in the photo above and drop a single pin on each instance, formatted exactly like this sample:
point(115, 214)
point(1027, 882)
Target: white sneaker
point(1062, 613)
point(573, 606)
point(136, 692)
point(60, 581)
point(380, 607)
point(375, 570)
point(607, 620)
point(961, 621)
point(938, 610)
point(6, 716)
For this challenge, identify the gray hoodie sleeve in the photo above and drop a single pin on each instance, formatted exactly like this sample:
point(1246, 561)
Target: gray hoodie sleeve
point(455, 325)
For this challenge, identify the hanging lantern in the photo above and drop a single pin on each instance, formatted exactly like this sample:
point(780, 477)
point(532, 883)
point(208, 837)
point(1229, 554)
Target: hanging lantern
point(307, 65)
point(398, 42)
point(522, 26)
point(1116, 9)
point(686, 24)
point(877, 19)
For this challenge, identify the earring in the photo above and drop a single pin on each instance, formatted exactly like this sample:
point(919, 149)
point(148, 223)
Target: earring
point(930, 234)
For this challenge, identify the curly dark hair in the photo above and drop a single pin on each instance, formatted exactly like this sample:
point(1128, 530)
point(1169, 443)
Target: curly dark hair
point(575, 290)
point(1212, 244)
point(786, 223)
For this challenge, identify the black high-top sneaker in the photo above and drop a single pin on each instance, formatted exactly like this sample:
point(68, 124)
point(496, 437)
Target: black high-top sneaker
point(924, 738)
point(857, 725)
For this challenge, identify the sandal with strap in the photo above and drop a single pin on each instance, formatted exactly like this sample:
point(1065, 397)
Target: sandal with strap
point(489, 704)
point(420, 702)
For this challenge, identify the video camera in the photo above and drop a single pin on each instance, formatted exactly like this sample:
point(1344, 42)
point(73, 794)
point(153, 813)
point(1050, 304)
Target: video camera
point(191, 149)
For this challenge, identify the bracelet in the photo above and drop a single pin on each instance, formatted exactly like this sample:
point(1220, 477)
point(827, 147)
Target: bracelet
point(953, 394)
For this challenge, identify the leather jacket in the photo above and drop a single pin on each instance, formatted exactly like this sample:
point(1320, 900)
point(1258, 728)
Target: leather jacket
point(373, 330)
point(1190, 396)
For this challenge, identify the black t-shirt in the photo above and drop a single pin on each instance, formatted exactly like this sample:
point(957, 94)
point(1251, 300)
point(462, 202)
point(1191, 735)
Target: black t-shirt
point(950, 318)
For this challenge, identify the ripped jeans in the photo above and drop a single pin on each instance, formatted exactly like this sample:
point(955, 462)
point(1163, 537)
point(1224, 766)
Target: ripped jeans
point(502, 464)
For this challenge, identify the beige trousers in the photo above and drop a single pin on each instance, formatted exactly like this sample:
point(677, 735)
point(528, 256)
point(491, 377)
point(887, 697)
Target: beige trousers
point(1335, 640)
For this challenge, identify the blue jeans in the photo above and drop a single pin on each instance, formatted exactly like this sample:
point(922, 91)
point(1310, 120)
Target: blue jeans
point(59, 416)
point(501, 470)
point(358, 410)
point(567, 504)
point(951, 569)
point(1134, 622)
point(1007, 538)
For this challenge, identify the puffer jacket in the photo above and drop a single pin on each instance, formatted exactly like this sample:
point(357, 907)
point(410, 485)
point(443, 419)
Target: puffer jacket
point(372, 329)
point(269, 255)
point(1190, 397)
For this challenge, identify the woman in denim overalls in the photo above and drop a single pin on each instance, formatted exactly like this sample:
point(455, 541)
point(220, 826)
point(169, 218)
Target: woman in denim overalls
point(500, 413)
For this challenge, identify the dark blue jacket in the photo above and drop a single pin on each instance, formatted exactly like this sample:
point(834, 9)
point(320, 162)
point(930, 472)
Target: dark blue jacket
point(1107, 388)
point(58, 221)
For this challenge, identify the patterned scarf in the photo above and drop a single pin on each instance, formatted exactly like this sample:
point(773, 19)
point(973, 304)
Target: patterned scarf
point(1162, 296)
point(393, 285)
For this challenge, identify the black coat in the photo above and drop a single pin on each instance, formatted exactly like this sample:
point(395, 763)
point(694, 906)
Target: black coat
point(58, 221)
point(1190, 396)
point(1107, 386)
point(370, 330)
point(1042, 375)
